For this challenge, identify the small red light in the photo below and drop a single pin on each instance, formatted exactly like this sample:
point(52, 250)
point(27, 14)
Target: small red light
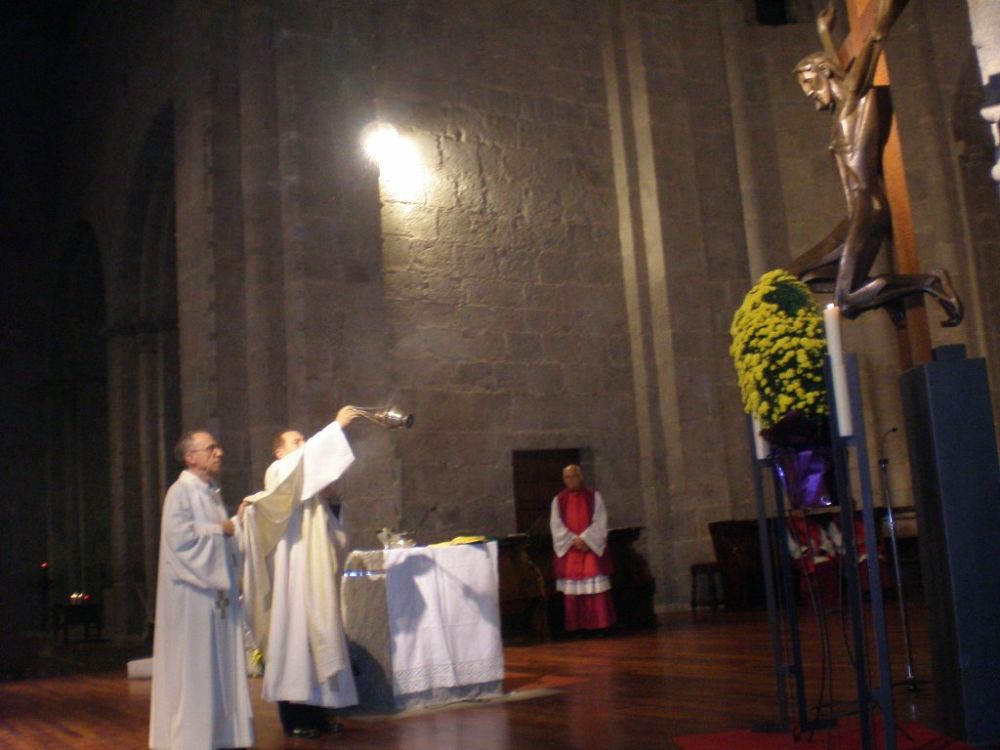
point(86, 597)
point(44, 566)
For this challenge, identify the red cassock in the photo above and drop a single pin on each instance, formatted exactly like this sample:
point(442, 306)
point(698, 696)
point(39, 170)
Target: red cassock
point(582, 575)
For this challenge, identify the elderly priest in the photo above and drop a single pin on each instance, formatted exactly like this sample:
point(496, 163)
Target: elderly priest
point(200, 697)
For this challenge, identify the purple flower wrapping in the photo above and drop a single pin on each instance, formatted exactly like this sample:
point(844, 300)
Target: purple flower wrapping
point(803, 473)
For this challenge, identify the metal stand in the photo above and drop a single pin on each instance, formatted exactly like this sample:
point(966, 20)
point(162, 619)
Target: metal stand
point(883, 465)
point(869, 697)
point(790, 665)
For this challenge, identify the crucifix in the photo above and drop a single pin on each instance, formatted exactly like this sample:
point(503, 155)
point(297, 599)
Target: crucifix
point(852, 83)
point(221, 603)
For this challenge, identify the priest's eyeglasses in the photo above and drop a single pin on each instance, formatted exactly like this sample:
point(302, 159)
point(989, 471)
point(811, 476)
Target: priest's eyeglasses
point(210, 448)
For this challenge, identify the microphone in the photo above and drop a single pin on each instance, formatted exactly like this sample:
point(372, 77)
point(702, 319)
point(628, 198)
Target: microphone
point(424, 517)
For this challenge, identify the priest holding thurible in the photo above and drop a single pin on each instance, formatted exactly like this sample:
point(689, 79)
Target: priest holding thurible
point(294, 545)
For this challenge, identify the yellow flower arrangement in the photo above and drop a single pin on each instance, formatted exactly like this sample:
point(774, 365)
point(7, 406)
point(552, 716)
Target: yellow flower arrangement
point(777, 346)
point(256, 666)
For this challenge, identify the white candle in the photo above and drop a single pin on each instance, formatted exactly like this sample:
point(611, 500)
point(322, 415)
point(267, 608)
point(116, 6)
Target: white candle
point(831, 321)
point(761, 446)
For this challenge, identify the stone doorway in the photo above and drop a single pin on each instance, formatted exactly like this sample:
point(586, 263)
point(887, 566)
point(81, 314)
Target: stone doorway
point(537, 479)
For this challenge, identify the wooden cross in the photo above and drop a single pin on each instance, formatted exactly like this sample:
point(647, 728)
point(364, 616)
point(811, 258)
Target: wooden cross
point(914, 341)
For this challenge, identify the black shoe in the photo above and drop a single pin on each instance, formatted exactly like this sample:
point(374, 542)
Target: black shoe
point(312, 731)
point(308, 733)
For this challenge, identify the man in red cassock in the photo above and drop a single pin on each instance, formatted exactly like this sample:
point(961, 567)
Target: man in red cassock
point(579, 524)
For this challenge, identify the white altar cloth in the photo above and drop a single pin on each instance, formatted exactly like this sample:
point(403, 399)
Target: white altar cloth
point(444, 617)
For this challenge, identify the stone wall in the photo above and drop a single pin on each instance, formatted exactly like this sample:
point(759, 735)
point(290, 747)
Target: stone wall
point(113, 172)
point(502, 276)
point(946, 151)
point(695, 262)
point(603, 182)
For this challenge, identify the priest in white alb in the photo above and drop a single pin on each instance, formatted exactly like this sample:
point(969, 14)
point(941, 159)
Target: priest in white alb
point(200, 699)
point(294, 543)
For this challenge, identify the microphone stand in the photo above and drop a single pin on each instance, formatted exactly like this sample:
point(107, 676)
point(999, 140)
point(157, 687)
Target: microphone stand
point(420, 524)
point(883, 465)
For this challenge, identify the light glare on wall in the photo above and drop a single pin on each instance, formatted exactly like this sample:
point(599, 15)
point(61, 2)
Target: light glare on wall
point(401, 171)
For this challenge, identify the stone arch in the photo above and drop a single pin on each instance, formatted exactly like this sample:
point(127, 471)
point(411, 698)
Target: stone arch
point(143, 366)
point(77, 514)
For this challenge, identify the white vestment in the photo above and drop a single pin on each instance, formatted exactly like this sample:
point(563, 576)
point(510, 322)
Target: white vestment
point(200, 697)
point(291, 576)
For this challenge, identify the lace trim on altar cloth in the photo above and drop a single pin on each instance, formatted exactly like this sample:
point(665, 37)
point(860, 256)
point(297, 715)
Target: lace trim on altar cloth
point(594, 585)
point(441, 696)
point(430, 676)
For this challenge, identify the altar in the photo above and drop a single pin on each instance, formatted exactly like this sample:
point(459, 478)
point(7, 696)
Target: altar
point(423, 625)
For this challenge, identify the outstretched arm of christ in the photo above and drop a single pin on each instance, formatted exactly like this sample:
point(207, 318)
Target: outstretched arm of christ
point(824, 29)
point(862, 70)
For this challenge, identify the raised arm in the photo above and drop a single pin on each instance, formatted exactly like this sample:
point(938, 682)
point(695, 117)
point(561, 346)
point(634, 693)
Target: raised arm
point(824, 28)
point(863, 70)
point(886, 16)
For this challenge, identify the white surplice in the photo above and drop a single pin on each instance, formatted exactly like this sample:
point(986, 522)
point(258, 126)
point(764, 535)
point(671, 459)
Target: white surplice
point(200, 697)
point(596, 538)
point(294, 544)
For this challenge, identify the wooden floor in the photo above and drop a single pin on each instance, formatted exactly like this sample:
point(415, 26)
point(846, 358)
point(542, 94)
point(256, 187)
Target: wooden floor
point(696, 673)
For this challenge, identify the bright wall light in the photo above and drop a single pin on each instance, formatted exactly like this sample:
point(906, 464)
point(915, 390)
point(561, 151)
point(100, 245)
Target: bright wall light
point(402, 173)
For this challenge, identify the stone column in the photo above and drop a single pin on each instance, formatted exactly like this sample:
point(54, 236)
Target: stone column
point(679, 183)
point(955, 211)
point(332, 299)
point(210, 261)
point(260, 142)
point(754, 136)
point(125, 613)
point(627, 112)
point(146, 451)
